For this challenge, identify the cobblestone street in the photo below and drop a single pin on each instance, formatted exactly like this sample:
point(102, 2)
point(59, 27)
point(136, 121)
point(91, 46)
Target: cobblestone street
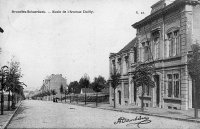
point(46, 114)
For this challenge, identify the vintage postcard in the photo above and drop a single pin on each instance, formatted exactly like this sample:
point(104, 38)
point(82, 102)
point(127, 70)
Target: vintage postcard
point(100, 64)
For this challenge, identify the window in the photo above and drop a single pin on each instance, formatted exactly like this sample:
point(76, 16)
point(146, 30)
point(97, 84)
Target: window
point(172, 45)
point(169, 85)
point(156, 47)
point(119, 65)
point(135, 54)
point(156, 40)
point(126, 90)
point(113, 66)
point(142, 52)
point(176, 85)
point(124, 65)
point(176, 42)
point(173, 85)
point(146, 54)
point(127, 64)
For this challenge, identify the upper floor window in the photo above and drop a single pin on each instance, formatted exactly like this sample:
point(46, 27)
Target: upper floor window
point(145, 51)
point(172, 44)
point(156, 48)
point(113, 66)
point(119, 61)
point(156, 43)
point(127, 63)
point(135, 54)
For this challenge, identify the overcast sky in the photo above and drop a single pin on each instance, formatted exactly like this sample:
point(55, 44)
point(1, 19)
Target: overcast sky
point(70, 44)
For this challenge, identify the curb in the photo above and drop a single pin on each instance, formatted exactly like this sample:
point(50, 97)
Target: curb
point(141, 113)
point(10, 118)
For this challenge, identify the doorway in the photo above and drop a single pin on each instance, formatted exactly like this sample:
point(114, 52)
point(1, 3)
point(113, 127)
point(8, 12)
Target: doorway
point(135, 92)
point(157, 83)
point(119, 94)
point(197, 89)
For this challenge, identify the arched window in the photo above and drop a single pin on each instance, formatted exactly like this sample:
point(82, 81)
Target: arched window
point(172, 44)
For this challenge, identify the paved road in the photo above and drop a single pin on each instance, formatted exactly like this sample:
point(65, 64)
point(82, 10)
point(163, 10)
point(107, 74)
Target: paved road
point(44, 114)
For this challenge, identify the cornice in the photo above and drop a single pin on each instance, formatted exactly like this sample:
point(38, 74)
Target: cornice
point(170, 7)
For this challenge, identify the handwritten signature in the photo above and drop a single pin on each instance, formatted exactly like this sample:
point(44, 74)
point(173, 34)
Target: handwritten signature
point(136, 121)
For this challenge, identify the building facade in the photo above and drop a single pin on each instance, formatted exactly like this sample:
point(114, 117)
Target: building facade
point(164, 39)
point(53, 82)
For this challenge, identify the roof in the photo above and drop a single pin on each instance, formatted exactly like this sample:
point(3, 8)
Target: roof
point(130, 45)
point(88, 90)
point(174, 5)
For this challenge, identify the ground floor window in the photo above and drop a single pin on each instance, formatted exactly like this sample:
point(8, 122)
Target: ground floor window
point(173, 85)
point(126, 90)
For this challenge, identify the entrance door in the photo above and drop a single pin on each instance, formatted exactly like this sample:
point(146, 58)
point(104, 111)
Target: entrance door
point(119, 94)
point(135, 92)
point(195, 93)
point(157, 83)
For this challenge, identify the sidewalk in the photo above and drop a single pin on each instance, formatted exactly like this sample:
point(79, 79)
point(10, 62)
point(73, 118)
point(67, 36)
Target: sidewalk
point(7, 116)
point(184, 115)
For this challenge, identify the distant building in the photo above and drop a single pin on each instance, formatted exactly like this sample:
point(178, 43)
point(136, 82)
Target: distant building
point(53, 82)
point(163, 38)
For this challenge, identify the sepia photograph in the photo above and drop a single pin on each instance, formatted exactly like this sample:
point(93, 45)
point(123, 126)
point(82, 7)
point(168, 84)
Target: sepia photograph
point(99, 64)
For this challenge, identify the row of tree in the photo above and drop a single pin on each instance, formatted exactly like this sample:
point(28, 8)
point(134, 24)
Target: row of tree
point(10, 82)
point(44, 93)
point(75, 87)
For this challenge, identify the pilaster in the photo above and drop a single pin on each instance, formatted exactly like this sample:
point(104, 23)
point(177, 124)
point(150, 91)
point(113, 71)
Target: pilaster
point(184, 89)
point(122, 93)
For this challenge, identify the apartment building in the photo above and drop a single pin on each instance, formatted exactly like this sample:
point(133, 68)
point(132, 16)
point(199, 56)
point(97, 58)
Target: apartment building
point(53, 82)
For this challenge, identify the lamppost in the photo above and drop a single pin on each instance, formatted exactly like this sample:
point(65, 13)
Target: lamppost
point(4, 71)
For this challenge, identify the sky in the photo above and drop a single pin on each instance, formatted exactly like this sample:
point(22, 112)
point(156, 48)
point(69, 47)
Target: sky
point(70, 44)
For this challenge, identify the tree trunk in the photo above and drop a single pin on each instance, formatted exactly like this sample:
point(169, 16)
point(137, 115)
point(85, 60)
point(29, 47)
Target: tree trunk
point(70, 99)
point(2, 102)
point(61, 98)
point(53, 97)
point(8, 100)
point(13, 100)
point(77, 99)
point(96, 99)
point(85, 96)
point(114, 99)
point(142, 99)
point(74, 98)
point(65, 98)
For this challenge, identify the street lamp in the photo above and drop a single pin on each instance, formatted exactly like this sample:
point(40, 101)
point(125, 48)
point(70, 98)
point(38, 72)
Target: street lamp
point(4, 72)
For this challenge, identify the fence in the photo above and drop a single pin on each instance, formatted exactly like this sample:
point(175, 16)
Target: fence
point(89, 97)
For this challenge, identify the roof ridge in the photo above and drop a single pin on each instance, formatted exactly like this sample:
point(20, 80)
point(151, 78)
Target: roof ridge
point(128, 46)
